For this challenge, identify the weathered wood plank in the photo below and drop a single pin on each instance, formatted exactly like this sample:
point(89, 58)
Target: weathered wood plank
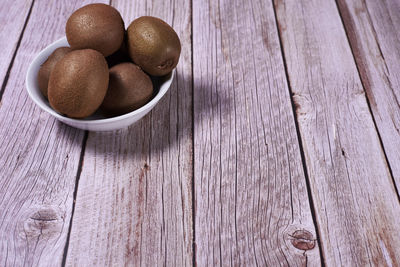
point(14, 15)
point(250, 187)
point(134, 201)
point(39, 157)
point(373, 29)
point(356, 205)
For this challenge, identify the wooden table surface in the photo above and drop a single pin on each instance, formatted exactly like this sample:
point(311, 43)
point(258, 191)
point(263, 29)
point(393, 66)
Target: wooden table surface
point(278, 143)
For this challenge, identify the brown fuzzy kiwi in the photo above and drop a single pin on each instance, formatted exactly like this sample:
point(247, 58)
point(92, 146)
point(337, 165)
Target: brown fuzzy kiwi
point(96, 26)
point(129, 89)
point(47, 67)
point(78, 83)
point(153, 45)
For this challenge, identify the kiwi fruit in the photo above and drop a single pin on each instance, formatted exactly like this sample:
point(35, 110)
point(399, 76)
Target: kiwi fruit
point(129, 89)
point(153, 45)
point(78, 83)
point(47, 67)
point(96, 26)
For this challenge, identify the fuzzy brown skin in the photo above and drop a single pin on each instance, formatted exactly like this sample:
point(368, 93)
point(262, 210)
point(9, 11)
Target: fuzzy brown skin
point(47, 67)
point(153, 45)
point(129, 89)
point(96, 26)
point(78, 83)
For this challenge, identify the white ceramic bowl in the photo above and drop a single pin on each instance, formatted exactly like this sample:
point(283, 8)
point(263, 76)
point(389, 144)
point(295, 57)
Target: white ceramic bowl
point(96, 122)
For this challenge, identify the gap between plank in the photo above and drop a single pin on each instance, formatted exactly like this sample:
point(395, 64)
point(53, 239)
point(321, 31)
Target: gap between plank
point(78, 176)
point(303, 160)
point(193, 147)
point(368, 102)
point(5, 81)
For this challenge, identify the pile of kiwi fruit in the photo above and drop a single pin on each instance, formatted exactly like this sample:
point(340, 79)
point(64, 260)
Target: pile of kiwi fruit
point(106, 67)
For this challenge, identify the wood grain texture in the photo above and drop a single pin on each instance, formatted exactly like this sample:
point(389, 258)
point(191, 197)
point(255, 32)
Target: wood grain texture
point(373, 29)
point(134, 201)
point(356, 206)
point(14, 14)
point(39, 157)
point(251, 203)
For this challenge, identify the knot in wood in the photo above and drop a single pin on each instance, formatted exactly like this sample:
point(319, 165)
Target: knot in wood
point(45, 221)
point(303, 239)
point(146, 167)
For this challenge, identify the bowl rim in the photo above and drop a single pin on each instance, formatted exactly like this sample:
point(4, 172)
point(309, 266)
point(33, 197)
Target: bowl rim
point(149, 105)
